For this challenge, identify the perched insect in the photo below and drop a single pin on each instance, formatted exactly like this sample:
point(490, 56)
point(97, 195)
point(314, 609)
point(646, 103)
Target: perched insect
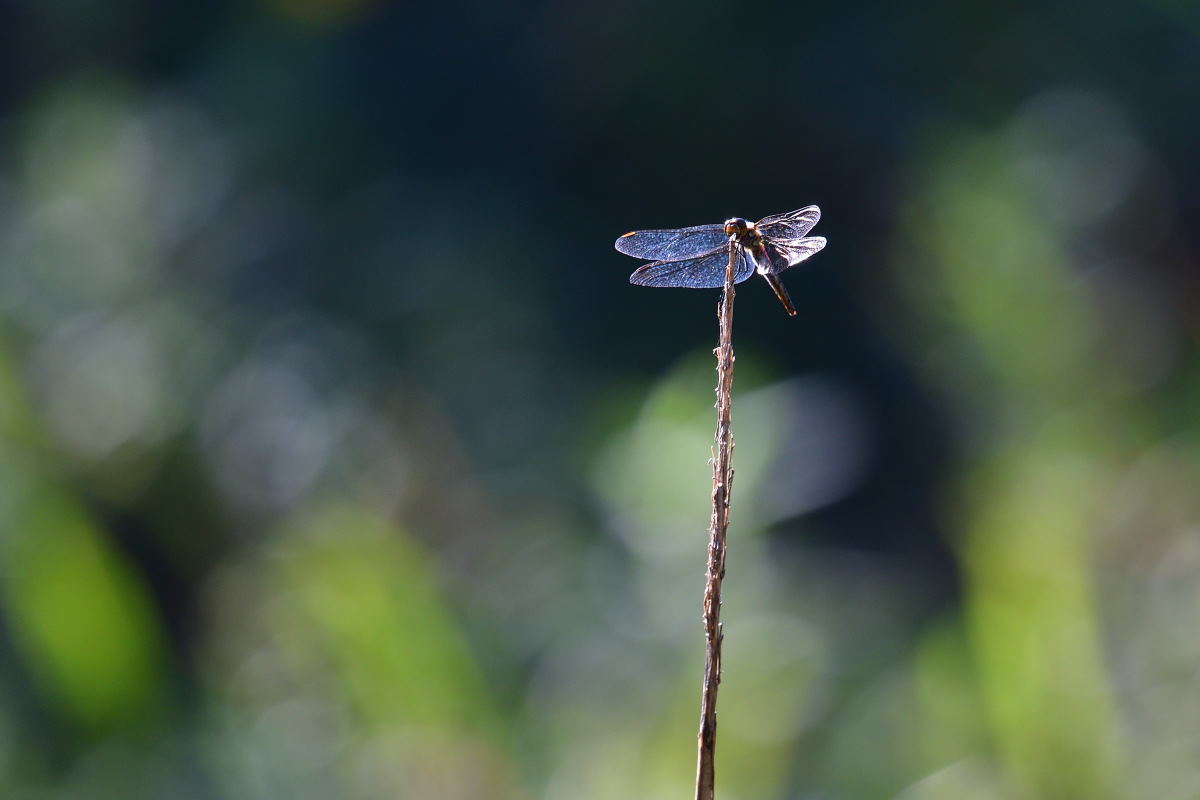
point(696, 257)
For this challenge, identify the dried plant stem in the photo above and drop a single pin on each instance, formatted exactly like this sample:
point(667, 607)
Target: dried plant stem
point(722, 481)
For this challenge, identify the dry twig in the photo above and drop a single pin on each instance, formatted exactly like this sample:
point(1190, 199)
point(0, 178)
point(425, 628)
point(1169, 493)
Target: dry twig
point(722, 480)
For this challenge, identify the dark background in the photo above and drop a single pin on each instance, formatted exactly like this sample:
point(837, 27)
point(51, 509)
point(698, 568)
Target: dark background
point(339, 459)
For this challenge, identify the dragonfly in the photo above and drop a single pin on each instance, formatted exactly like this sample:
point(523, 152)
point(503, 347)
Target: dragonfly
point(696, 257)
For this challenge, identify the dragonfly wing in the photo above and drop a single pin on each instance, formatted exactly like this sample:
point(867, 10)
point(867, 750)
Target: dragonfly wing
point(671, 245)
point(701, 272)
point(790, 253)
point(793, 225)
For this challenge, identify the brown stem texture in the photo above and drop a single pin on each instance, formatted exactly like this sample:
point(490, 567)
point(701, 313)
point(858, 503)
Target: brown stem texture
point(722, 483)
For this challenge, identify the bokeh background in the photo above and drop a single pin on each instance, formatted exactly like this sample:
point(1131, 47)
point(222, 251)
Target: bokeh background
point(339, 460)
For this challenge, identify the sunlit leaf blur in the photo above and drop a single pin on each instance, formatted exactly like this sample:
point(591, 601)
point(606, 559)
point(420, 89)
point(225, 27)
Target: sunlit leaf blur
point(338, 459)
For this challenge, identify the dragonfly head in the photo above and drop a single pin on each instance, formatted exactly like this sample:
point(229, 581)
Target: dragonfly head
point(736, 226)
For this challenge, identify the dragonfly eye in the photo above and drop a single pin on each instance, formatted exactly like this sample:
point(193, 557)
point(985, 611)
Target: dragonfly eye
point(735, 226)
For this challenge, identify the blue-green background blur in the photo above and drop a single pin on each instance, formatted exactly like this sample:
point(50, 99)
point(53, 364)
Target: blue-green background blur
point(338, 459)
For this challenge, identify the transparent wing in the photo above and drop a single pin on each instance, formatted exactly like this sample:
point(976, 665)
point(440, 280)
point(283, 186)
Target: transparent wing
point(673, 244)
point(793, 225)
point(790, 253)
point(702, 272)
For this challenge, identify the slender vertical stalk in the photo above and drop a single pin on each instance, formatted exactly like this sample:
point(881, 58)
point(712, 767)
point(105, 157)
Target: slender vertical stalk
point(722, 480)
